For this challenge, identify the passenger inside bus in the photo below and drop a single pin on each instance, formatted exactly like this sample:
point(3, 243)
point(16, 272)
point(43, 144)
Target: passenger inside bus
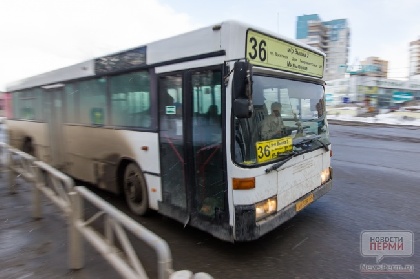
point(320, 107)
point(260, 108)
point(213, 118)
point(272, 125)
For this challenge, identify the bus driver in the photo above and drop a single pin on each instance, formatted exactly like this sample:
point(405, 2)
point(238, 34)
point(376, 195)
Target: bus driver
point(272, 126)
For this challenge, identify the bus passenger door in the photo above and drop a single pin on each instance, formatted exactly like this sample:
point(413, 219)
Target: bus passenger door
point(54, 118)
point(171, 147)
point(209, 193)
point(191, 147)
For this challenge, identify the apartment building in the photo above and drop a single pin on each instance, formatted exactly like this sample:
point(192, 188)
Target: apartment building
point(331, 37)
point(374, 67)
point(414, 72)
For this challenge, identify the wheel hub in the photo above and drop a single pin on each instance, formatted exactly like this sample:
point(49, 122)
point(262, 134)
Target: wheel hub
point(133, 189)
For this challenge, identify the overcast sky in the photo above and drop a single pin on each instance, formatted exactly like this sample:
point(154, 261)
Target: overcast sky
point(41, 35)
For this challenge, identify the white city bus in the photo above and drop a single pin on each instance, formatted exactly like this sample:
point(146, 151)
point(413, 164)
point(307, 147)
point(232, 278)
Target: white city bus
point(175, 125)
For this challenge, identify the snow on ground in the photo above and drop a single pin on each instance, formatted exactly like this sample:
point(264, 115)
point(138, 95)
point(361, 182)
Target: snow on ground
point(409, 116)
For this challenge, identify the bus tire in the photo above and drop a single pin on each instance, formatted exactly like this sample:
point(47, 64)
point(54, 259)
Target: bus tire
point(135, 189)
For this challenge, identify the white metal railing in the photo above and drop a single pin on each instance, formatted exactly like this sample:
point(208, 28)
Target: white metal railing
point(115, 220)
point(51, 182)
point(60, 189)
point(19, 164)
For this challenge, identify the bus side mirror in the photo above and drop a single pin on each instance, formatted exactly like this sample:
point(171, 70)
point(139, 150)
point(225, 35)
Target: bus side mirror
point(242, 108)
point(242, 80)
point(242, 90)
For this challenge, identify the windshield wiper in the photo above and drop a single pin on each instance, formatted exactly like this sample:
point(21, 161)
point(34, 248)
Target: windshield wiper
point(281, 163)
point(301, 141)
point(292, 154)
point(323, 144)
point(319, 119)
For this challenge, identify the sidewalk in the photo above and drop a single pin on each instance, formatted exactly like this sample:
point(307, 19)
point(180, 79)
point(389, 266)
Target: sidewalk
point(32, 248)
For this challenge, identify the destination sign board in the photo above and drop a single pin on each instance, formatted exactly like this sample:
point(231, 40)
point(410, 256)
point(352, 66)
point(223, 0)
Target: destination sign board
point(125, 60)
point(266, 51)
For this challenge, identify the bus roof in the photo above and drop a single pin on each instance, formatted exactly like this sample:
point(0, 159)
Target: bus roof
point(221, 39)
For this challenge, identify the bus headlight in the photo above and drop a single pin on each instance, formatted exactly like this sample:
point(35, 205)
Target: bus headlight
point(265, 208)
point(325, 175)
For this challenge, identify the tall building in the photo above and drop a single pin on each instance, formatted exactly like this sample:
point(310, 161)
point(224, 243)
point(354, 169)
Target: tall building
point(415, 59)
point(331, 37)
point(375, 67)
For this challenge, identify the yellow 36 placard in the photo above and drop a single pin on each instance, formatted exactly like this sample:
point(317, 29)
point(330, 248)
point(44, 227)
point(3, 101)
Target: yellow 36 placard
point(270, 149)
point(267, 51)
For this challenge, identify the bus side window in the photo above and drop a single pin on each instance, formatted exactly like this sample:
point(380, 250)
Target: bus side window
point(93, 97)
point(97, 116)
point(130, 100)
point(70, 99)
point(27, 107)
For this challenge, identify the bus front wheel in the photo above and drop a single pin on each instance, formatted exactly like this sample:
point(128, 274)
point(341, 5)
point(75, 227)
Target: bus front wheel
point(135, 189)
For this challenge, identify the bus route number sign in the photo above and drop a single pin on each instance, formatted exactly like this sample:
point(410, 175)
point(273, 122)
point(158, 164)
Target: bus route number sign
point(271, 149)
point(266, 51)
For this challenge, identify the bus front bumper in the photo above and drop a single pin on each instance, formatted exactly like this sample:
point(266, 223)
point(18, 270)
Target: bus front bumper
point(247, 229)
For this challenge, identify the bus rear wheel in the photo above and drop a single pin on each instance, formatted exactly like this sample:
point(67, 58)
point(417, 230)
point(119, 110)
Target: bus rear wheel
point(28, 147)
point(135, 190)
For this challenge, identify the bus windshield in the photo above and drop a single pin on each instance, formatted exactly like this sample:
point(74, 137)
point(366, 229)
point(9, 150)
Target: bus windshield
point(287, 115)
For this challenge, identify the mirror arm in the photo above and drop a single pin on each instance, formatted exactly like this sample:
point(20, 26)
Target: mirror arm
point(248, 89)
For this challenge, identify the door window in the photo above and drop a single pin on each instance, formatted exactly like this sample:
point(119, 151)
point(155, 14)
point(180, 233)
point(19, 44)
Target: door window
point(172, 140)
point(207, 142)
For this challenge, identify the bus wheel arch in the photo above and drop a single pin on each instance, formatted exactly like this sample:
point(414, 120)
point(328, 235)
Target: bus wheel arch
point(28, 146)
point(134, 187)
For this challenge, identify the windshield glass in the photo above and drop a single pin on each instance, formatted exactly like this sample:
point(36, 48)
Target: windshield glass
point(288, 117)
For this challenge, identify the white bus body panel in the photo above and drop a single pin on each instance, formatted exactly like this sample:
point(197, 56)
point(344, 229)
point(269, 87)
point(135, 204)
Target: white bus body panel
point(294, 179)
point(193, 43)
point(37, 131)
point(84, 69)
point(190, 65)
point(92, 154)
point(230, 37)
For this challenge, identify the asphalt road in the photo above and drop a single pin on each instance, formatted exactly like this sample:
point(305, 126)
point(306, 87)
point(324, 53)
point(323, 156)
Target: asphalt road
point(376, 187)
